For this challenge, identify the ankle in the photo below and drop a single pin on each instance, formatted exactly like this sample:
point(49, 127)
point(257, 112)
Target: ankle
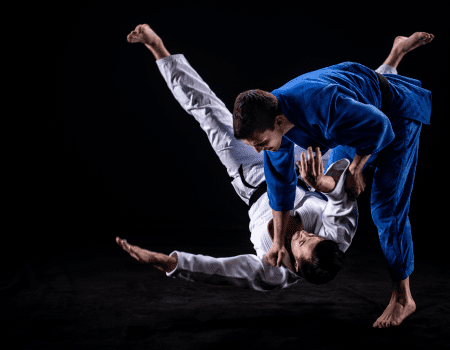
point(154, 45)
point(402, 296)
point(158, 49)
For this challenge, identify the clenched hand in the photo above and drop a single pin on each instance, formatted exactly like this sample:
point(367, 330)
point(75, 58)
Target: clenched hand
point(276, 254)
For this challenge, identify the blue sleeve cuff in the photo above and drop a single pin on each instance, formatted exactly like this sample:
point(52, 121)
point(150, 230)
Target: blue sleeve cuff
point(279, 171)
point(281, 208)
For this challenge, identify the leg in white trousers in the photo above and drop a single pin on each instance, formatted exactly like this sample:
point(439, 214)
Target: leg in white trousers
point(197, 99)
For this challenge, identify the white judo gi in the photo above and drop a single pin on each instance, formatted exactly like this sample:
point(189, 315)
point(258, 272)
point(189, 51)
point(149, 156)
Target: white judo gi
point(335, 219)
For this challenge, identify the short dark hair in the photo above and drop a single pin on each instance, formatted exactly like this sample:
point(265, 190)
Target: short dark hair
point(254, 111)
point(326, 261)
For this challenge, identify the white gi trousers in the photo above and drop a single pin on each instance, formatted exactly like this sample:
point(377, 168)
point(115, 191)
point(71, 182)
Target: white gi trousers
point(197, 99)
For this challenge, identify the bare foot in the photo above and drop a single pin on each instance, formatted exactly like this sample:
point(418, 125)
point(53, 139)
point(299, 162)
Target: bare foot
point(395, 313)
point(403, 44)
point(144, 34)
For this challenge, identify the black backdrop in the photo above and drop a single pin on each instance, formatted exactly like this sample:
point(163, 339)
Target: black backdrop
point(103, 146)
point(100, 147)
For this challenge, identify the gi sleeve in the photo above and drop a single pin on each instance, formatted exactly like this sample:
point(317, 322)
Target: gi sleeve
point(346, 121)
point(279, 171)
point(340, 216)
point(244, 271)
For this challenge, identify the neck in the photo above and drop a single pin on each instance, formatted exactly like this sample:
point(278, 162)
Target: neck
point(287, 125)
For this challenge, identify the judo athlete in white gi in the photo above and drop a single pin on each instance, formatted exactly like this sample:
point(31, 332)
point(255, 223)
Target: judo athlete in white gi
point(328, 215)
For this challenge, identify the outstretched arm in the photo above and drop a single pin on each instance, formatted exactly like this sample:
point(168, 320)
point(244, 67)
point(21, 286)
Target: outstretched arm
point(162, 262)
point(244, 271)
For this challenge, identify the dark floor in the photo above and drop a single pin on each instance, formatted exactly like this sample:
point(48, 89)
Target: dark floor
point(98, 297)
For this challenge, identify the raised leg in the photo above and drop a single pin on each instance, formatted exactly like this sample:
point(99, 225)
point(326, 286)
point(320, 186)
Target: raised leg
point(402, 45)
point(197, 99)
point(145, 35)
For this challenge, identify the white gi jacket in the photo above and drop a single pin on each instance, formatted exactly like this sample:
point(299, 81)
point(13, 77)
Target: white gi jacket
point(335, 219)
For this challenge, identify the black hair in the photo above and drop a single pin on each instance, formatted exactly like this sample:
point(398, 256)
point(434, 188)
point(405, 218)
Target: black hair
point(326, 261)
point(254, 111)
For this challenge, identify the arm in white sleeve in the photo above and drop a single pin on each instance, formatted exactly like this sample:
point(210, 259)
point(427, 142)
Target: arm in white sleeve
point(340, 217)
point(245, 271)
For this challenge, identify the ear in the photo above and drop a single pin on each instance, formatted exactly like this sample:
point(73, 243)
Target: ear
point(279, 119)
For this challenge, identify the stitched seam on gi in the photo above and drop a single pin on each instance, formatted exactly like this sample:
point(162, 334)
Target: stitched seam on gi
point(406, 141)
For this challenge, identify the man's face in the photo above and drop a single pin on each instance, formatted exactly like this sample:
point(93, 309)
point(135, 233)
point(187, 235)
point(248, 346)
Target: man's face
point(302, 246)
point(269, 140)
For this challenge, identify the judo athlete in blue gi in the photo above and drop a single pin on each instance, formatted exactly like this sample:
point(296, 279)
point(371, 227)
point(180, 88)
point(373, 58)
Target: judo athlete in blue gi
point(369, 118)
point(326, 217)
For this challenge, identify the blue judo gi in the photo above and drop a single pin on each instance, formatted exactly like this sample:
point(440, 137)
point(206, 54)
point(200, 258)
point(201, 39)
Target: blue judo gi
point(338, 108)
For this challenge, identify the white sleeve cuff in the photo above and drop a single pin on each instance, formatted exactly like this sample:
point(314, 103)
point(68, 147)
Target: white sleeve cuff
point(339, 167)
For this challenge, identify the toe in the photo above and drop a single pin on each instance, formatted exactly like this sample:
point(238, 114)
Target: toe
point(377, 323)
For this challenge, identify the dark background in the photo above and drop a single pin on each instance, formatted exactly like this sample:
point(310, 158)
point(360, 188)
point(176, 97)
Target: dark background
point(101, 148)
point(105, 147)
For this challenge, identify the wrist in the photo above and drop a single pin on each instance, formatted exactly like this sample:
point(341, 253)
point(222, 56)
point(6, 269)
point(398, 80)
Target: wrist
point(352, 168)
point(358, 163)
point(326, 184)
point(278, 243)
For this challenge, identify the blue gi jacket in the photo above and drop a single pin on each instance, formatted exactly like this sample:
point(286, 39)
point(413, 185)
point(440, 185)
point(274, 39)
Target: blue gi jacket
point(337, 105)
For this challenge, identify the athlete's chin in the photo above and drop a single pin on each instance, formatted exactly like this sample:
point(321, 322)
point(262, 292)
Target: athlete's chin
point(273, 149)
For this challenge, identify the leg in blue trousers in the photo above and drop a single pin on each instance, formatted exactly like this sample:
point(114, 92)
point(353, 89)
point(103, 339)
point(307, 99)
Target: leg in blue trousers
point(392, 186)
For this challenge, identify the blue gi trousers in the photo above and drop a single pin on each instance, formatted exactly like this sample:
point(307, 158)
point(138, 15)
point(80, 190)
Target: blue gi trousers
point(395, 167)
